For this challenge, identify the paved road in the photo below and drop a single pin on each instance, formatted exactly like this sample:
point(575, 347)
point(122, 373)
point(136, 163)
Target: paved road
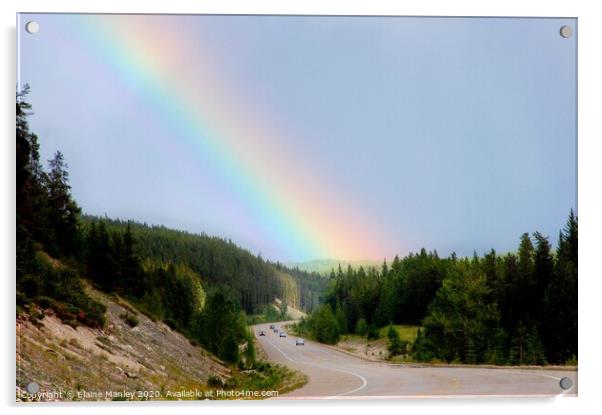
point(333, 374)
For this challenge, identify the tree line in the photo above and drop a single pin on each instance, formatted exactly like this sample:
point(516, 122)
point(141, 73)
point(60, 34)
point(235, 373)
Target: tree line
point(167, 291)
point(252, 280)
point(517, 308)
point(197, 284)
point(47, 228)
point(311, 286)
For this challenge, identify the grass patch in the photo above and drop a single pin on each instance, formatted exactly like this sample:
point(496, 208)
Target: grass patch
point(75, 343)
point(264, 376)
point(403, 359)
point(130, 319)
point(121, 302)
point(406, 332)
point(60, 288)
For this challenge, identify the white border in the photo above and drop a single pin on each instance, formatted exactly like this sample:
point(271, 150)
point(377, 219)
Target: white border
point(590, 206)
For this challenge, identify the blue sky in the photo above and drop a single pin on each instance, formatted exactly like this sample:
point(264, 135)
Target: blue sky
point(456, 134)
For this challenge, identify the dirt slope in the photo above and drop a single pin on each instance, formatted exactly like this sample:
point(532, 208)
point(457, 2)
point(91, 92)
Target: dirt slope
point(148, 357)
point(292, 312)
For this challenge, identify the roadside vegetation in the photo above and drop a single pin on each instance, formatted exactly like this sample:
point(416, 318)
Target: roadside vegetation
point(265, 376)
point(518, 309)
point(271, 313)
point(200, 286)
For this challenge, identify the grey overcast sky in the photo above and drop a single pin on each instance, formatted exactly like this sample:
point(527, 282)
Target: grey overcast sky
point(313, 137)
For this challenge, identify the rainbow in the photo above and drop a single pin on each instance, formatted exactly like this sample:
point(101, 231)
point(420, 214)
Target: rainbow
point(301, 213)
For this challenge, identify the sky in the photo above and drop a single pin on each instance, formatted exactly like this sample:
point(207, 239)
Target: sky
point(305, 137)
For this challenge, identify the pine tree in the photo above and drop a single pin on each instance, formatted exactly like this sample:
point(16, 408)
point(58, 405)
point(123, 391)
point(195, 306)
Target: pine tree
point(560, 303)
point(361, 328)
point(518, 345)
point(229, 348)
point(395, 346)
point(534, 348)
point(250, 353)
point(341, 320)
point(63, 209)
point(100, 260)
point(129, 264)
point(544, 268)
point(324, 325)
point(526, 287)
point(462, 322)
point(31, 196)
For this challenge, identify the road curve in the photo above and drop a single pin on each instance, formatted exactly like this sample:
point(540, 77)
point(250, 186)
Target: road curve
point(333, 374)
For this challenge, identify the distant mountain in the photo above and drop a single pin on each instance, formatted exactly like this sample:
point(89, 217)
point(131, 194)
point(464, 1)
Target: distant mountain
point(324, 266)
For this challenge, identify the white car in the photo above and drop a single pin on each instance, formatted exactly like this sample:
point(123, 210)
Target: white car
point(282, 334)
point(299, 342)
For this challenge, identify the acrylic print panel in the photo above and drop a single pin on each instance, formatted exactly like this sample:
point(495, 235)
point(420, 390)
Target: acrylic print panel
point(254, 207)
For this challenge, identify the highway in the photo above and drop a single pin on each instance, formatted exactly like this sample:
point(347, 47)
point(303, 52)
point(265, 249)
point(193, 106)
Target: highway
point(336, 375)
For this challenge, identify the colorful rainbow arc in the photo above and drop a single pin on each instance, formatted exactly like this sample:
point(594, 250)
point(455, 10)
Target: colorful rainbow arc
point(199, 107)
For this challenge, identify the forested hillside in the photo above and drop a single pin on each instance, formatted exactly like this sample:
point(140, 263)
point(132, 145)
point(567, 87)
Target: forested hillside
point(198, 284)
point(324, 266)
point(253, 281)
point(517, 308)
point(311, 285)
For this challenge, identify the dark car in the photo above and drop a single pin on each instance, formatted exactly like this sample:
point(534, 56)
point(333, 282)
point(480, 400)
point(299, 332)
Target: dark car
point(262, 333)
point(272, 327)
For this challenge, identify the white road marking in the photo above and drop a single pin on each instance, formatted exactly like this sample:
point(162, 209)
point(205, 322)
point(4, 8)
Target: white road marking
point(280, 350)
point(520, 372)
point(363, 379)
point(326, 351)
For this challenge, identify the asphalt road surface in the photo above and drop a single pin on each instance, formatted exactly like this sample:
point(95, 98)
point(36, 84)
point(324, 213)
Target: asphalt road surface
point(333, 374)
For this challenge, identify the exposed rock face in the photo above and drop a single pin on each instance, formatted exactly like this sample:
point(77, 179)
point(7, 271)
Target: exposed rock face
point(149, 356)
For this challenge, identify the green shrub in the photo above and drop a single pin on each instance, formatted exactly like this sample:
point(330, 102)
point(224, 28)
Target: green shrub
point(130, 319)
point(61, 288)
point(215, 382)
point(30, 285)
point(361, 328)
point(44, 302)
point(395, 345)
point(372, 332)
point(323, 325)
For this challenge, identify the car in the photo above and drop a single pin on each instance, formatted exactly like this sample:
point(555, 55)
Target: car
point(272, 327)
point(299, 342)
point(282, 334)
point(276, 330)
point(262, 333)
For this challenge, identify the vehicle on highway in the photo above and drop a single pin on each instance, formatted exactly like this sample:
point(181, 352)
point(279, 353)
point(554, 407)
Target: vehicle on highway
point(272, 327)
point(299, 342)
point(276, 330)
point(262, 333)
point(282, 334)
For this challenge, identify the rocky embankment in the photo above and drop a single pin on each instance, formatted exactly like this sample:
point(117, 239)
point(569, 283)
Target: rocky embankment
point(132, 353)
